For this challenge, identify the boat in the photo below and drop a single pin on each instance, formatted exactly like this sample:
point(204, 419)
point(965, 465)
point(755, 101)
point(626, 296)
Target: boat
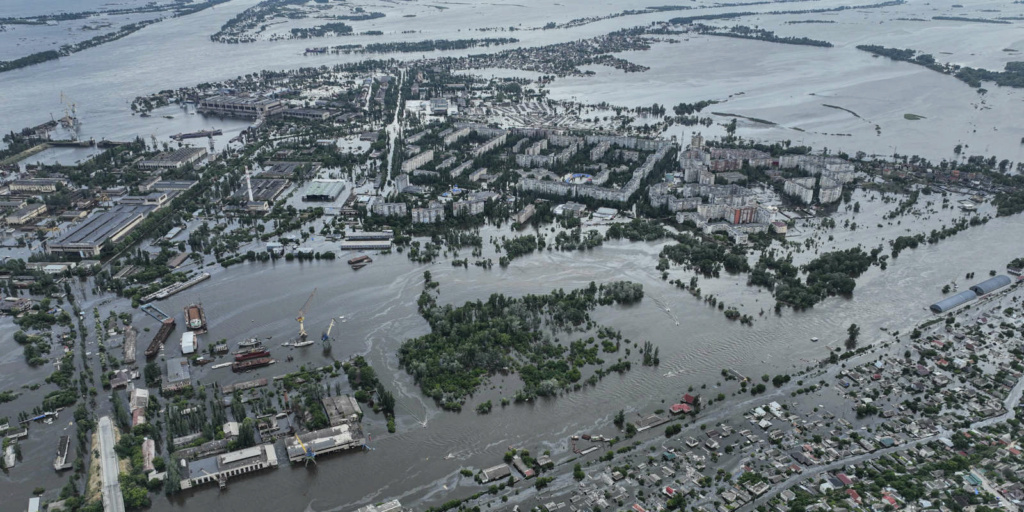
point(360, 259)
point(251, 354)
point(251, 342)
point(304, 343)
point(252, 364)
point(358, 266)
point(221, 365)
point(195, 318)
point(814, 339)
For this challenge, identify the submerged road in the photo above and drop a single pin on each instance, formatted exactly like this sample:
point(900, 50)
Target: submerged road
point(112, 499)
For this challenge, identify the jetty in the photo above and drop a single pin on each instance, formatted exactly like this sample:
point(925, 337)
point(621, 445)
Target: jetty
point(154, 312)
point(163, 293)
point(62, 461)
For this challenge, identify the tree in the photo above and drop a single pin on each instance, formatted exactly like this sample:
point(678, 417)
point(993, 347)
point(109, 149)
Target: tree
point(620, 418)
point(577, 472)
point(246, 434)
point(851, 339)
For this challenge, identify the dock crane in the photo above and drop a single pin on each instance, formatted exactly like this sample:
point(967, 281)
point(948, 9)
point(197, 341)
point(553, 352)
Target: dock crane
point(70, 119)
point(310, 454)
point(325, 338)
point(302, 316)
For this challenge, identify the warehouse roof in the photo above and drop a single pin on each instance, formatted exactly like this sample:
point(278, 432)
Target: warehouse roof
point(991, 285)
point(951, 302)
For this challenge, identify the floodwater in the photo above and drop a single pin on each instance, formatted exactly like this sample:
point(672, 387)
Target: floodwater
point(379, 306)
point(779, 83)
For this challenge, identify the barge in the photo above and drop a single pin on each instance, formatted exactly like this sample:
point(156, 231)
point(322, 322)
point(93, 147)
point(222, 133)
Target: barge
point(252, 364)
point(251, 354)
point(161, 336)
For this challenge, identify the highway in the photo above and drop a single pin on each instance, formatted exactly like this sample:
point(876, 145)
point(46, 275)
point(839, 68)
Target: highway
point(112, 499)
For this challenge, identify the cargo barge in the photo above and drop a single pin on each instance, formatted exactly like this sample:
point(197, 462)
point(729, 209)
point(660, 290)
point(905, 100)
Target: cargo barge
point(251, 354)
point(195, 318)
point(252, 364)
point(163, 293)
point(360, 259)
point(161, 336)
point(197, 135)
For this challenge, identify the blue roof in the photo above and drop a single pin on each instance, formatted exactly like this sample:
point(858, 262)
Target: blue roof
point(991, 285)
point(951, 302)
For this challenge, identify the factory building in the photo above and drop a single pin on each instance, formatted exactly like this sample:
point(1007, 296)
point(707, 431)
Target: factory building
point(240, 106)
point(219, 468)
point(87, 238)
point(174, 159)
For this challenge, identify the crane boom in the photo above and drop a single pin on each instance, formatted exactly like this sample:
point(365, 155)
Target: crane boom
point(309, 453)
point(302, 314)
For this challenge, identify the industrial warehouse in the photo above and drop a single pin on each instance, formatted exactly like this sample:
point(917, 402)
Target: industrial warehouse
point(86, 240)
point(325, 191)
point(983, 288)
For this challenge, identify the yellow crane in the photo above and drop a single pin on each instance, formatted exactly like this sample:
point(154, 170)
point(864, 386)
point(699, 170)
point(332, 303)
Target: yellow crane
point(302, 315)
point(310, 455)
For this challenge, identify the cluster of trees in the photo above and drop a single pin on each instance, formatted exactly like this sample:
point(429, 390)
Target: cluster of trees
point(363, 378)
point(832, 273)
point(707, 258)
point(574, 239)
point(685, 109)
point(759, 34)
point(337, 28)
point(431, 45)
point(469, 342)
point(636, 230)
point(1011, 76)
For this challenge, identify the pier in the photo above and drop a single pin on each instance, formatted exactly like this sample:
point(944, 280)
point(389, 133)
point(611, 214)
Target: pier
point(154, 312)
point(163, 293)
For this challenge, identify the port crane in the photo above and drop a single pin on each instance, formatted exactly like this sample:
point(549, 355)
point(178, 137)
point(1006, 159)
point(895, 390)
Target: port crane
point(325, 338)
point(310, 454)
point(302, 316)
point(70, 119)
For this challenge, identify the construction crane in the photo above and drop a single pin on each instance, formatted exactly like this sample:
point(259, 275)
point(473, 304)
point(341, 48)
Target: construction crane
point(310, 455)
point(325, 338)
point(302, 315)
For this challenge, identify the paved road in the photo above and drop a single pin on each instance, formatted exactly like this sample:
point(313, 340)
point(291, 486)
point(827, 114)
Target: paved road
point(112, 499)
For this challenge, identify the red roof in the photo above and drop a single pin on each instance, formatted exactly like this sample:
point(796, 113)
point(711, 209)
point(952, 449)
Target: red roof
point(669, 491)
point(853, 494)
point(638, 508)
point(679, 408)
point(890, 499)
point(690, 399)
point(844, 479)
